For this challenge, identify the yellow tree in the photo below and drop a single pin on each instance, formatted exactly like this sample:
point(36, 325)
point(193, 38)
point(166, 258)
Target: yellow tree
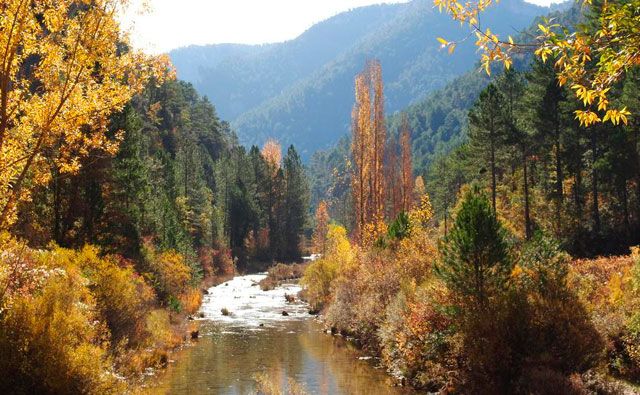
point(590, 60)
point(393, 179)
point(272, 153)
point(65, 67)
point(374, 69)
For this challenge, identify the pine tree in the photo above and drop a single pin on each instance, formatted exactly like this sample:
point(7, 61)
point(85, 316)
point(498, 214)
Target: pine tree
point(511, 85)
point(296, 201)
point(487, 131)
point(546, 99)
point(407, 169)
point(475, 260)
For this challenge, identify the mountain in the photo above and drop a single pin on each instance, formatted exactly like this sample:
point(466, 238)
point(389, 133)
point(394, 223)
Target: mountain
point(439, 121)
point(301, 91)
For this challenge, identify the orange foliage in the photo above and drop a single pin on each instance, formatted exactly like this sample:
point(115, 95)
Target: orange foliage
point(368, 146)
point(322, 227)
point(272, 153)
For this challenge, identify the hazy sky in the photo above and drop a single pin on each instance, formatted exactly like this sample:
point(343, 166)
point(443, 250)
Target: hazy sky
point(176, 23)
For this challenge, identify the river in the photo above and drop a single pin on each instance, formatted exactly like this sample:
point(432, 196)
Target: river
point(257, 338)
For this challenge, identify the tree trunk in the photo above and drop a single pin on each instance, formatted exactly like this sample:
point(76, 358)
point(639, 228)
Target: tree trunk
point(625, 205)
point(594, 181)
point(527, 217)
point(493, 176)
point(559, 179)
point(57, 215)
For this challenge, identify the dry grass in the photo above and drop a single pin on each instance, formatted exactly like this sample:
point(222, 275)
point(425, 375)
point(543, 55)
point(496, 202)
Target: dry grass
point(281, 273)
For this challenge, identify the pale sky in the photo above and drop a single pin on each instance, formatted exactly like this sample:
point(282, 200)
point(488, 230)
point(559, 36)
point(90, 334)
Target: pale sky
point(176, 23)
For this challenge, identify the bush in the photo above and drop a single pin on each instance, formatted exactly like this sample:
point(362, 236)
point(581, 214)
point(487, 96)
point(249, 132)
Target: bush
point(77, 322)
point(512, 319)
point(610, 290)
point(320, 274)
point(223, 263)
point(418, 336)
point(365, 287)
point(281, 273)
point(122, 296)
point(169, 273)
point(51, 336)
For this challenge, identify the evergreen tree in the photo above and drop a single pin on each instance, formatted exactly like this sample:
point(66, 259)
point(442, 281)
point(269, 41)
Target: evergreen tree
point(296, 201)
point(518, 135)
point(475, 260)
point(487, 131)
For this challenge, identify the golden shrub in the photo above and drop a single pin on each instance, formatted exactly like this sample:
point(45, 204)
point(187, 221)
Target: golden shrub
point(320, 274)
point(52, 339)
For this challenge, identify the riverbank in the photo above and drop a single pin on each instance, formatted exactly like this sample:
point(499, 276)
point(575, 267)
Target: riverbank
point(554, 325)
point(82, 321)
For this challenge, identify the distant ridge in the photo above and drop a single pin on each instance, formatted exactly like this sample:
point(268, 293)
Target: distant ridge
point(301, 91)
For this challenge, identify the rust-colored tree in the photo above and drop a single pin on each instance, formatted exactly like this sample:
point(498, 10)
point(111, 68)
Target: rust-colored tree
point(361, 143)
point(393, 179)
point(407, 169)
point(368, 148)
point(322, 226)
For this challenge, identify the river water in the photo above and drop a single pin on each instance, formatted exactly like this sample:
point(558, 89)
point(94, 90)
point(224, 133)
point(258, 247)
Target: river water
point(257, 338)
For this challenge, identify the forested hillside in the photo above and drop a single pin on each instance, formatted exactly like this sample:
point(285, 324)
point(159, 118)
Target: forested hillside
point(438, 125)
point(514, 267)
point(299, 91)
point(123, 194)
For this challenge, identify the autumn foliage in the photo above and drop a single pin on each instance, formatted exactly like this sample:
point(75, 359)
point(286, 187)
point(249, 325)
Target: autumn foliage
point(590, 59)
point(368, 146)
point(65, 70)
point(79, 322)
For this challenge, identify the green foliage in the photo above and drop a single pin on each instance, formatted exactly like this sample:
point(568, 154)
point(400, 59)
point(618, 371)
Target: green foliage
point(475, 257)
point(296, 203)
point(400, 228)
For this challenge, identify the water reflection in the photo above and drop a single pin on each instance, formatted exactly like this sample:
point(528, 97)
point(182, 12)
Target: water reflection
point(227, 356)
point(224, 362)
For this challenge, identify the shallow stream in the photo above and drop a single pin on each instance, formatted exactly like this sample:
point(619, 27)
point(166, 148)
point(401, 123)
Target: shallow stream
point(257, 338)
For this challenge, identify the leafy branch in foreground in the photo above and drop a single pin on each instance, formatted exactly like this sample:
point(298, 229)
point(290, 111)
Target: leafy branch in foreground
point(65, 67)
point(590, 59)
